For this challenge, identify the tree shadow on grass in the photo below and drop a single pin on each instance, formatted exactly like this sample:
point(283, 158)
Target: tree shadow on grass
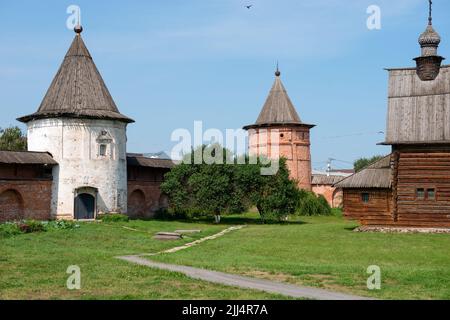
point(232, 220)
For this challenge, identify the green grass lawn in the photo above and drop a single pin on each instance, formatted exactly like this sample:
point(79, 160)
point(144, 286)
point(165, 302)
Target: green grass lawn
point(33, 266)
point(314, 251)
point(324, 252)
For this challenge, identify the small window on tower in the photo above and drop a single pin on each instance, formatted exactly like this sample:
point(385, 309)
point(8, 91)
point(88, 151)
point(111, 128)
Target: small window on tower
point(102, 151)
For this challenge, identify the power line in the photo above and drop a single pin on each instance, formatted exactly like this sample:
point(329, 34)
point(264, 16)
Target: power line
point(354, 134)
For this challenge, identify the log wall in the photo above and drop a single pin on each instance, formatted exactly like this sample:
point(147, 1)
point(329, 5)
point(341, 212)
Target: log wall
point(427, 170)
point(376, 212)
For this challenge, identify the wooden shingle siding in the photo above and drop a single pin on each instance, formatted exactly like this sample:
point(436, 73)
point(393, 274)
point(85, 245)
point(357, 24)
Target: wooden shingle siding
point(418, 111)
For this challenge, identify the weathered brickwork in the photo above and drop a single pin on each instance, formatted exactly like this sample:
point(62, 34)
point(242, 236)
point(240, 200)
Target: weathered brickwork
point(25, 199)
point(333, 195)
point(144, 192)
point(292, 143)
point(144, 199)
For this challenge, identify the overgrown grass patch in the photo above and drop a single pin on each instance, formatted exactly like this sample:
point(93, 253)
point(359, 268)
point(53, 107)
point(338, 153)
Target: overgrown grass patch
point(33, 265)
point(324, 252)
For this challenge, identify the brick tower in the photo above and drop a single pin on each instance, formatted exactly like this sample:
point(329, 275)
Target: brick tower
point(279, 132)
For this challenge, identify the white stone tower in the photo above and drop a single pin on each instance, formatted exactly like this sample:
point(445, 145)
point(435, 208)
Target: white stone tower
point(81, 126)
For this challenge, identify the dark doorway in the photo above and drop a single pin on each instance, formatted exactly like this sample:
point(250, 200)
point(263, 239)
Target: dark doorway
point(84, 206)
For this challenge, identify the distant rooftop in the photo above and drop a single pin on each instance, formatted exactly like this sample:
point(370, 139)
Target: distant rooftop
point(26, 157)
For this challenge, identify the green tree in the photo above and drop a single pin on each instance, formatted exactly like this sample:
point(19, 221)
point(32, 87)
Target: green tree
point(278, 195)
point(361, 163)
point(313, 205)
point(12, 139)
point(232, 187)
point(203, 188)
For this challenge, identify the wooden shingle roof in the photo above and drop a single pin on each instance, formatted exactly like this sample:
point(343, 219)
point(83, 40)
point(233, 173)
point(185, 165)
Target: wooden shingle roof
point(376, 175)
point(78, 90)
point(135, 160)
point(323, 179)
point(278, 108)
point(26, 157)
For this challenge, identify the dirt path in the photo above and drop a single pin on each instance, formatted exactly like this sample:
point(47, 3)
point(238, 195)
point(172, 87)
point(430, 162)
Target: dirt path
point(196, 242)
point(245, 282)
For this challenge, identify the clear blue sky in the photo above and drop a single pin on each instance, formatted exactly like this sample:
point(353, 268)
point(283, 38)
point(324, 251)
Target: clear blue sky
point(168, 63)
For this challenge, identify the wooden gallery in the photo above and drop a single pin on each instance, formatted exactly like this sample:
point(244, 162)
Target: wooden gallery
point(411, 186)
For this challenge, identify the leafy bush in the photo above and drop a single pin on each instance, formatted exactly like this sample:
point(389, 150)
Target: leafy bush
point(312, 205)
point(272, 217)
point(336, 212)
point(207, 189)
point(9, 229)
point(278, 196)
point(30, 226)
point(115, 217)
point(230, 187)
point(60, 225)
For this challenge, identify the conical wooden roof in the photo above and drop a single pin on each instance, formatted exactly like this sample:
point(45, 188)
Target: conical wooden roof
point(278, 108)
point(78, 90)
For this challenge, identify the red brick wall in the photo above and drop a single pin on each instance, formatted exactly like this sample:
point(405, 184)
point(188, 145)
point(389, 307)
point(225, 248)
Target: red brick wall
point(144, 198)
point(144, 193)
point(294, 145)
point(334, 197)
point(25, 199)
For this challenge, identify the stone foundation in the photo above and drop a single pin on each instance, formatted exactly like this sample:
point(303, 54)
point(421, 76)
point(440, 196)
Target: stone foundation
point(401, 230)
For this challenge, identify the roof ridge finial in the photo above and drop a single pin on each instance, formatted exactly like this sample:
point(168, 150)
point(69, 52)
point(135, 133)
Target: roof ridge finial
point(430, 13)
point(277, 73)
point(78, 28)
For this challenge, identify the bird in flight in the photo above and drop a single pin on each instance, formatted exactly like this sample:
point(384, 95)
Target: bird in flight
point(248, 7)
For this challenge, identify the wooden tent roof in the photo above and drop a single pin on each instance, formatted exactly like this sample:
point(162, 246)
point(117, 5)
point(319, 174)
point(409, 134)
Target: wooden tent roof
point(78, 90)
point(278, 108)
point(376, 175)
point(26, 157)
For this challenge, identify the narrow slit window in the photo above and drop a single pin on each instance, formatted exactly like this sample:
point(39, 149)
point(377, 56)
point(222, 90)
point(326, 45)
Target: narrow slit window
point(365, 197)
point(102, 151)
point(420, 194)
point(431, 194)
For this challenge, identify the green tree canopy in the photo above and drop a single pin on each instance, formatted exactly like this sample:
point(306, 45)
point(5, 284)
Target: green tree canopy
point(196, 189)
point(364, 162)
point(12, 139)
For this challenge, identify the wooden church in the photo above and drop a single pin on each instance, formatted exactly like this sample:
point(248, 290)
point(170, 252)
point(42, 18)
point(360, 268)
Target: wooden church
point(411, 186)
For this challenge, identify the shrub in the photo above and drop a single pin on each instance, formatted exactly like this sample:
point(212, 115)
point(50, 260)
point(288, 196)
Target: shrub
point(204, 188)
point(60, 225)
point(337, 212)
point(9, 229)
point(115, 217)
point(271, 217)
point(312, 205)
point(278, 196)
point(30, 226)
